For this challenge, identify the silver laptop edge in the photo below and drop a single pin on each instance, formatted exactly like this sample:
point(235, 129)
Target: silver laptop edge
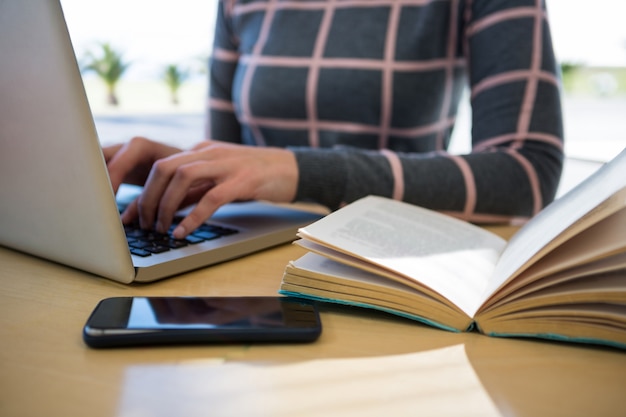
point(48, 142)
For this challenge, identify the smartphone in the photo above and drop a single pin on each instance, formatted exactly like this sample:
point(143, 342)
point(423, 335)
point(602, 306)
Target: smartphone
point(132, 321)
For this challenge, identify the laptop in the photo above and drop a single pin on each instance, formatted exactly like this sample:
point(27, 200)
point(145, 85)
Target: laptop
point(56, 200)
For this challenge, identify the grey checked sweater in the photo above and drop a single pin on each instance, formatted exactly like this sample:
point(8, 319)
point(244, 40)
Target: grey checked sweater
point(365, 92)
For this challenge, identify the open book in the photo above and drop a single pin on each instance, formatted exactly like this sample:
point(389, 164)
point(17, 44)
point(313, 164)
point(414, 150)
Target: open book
point(561, 276)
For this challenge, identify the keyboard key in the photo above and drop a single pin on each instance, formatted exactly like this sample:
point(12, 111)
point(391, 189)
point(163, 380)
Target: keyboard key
point(156, 248)
point(144, 243)
point(176, 243)
point(206, 235)
point(139, 252)
point(191, 239)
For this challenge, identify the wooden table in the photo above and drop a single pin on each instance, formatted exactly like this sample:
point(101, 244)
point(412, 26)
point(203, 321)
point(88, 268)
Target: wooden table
point(46, 370)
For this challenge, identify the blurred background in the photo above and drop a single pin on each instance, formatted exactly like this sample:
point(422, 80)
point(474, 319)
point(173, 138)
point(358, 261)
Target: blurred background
point(154, 53)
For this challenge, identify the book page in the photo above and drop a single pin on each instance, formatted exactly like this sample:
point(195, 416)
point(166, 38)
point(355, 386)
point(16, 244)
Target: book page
point(450, 256)
point(605, 287)
point(577, 251)
point(321, 277)
point(596, 198)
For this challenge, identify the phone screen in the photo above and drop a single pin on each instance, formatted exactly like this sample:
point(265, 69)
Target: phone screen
point(156, 320)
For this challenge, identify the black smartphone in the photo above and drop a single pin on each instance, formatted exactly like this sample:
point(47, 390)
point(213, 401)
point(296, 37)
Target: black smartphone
point(132, 321)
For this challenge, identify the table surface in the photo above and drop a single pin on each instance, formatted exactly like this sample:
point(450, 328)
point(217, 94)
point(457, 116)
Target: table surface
point(46, 370)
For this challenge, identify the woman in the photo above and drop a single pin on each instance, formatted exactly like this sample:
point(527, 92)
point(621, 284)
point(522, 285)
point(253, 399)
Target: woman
point(332, 100)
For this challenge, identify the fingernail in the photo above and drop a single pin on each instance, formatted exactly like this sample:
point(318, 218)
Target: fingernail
point(179, 232)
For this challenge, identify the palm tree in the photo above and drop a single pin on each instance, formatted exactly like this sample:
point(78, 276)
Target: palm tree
point(568, 74)
point(109, 66)
point(174, 77)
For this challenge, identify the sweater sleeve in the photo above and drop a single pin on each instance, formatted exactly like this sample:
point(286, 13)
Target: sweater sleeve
point(515, 164)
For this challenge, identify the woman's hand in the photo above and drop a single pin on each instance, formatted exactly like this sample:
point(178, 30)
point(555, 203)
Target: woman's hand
point(210, 175)
point(131, 162)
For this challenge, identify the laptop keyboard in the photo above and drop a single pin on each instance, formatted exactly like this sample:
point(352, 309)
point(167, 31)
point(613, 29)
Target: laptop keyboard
point(148, 242)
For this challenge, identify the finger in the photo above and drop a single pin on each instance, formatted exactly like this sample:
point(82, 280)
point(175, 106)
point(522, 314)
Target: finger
point(132, 161)
point(110, 151)
point(130, 213)
point(189, 181)
point(148, 201)
point(212, 200)
point(202, 145)
point(159, 179)
point(195, 194)
point(123, 161)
